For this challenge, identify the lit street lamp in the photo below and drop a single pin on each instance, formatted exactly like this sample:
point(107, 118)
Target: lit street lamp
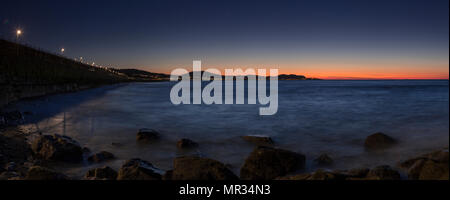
point(18, 33)
point(62, 50)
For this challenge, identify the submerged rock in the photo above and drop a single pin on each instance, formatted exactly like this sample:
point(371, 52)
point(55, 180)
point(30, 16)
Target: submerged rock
point(379, 141)
point(259, 140)
point(196, 168)
point(324, 160)
point(186, 144)
point(57, 148)
point(147, 135)
point(266, 163)
point(101, 157)
point(433, 166)
point(137, 169)
point(104, 173)
point(42, 173)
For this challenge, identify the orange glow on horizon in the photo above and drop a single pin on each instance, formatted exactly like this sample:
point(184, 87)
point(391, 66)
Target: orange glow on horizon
point(344, 70)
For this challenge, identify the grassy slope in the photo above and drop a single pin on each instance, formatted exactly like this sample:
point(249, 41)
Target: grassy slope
point(24, 65)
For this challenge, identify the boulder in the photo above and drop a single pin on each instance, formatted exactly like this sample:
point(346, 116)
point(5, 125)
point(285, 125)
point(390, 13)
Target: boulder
point(379, 141)
point(324, 160)
point(266, 163)
point(137, 169)
point(196, 168)
point(9, 175)
point(57, 148)
point(433, 166)
point(14, 147)
point(101, 157)
point(42, 173)
point(383, 173)
point(104, 173)
point(147, 135)
point(186, 144)
point(259, 140)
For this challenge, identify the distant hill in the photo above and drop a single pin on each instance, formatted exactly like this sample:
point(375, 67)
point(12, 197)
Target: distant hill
point(280, 77)
point(140, 75)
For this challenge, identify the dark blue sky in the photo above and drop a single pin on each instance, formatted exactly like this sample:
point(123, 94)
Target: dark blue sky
point(296, 36)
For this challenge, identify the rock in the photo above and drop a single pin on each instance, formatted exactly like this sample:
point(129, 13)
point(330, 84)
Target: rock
point(356, 173)
point(432, 170)
point(378, 173)
point(324, 160)
point(86, 150)
point(298, 177)
point(196, 168)
point(186, 144)
point(11, 118)
point(12, 166)
point(147, 135)
point(137, 169)
point(8, 175)
point(42, 173)
point(57, 148)
point(168, 175)
point(433, 166)
point(266, 163)
point(101, 157)
point(259, 140)
point(383, 173)
point(379, 141)
point(14, 147)
point(104, 173)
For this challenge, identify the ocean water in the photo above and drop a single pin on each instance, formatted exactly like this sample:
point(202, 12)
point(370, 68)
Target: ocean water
point(314, 117)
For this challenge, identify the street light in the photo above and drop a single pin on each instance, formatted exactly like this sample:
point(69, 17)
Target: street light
point(62, 50)
point(18, 33)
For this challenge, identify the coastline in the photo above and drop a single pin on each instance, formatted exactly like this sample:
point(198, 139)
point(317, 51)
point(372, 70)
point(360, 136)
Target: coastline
point(20, 160)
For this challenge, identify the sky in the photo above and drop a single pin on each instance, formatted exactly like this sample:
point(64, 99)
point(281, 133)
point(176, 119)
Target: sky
point(346, 39)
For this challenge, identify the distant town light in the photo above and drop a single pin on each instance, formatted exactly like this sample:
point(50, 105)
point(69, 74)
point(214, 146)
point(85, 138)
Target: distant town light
point(62, 50)
point(19, 32)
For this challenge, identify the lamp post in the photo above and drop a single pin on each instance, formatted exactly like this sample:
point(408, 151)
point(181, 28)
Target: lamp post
point(18, 33)
point(62, 51)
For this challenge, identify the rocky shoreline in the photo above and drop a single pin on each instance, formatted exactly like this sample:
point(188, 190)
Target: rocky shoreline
point(30, 156)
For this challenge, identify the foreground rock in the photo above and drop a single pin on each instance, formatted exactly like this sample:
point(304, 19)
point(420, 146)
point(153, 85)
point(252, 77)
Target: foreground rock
point(196, 168)
point(433, 166)
point(42, 173)
point(104, 173)
point(186, 144)
point(383, 173)
point(13, 148)
point(379, 141)
point(57, 148)
point(147, 135)
point(259, 140)
point(137, 169)
point(266, 163)
point(101, 157)
point(378, 173)
point(324, 160)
